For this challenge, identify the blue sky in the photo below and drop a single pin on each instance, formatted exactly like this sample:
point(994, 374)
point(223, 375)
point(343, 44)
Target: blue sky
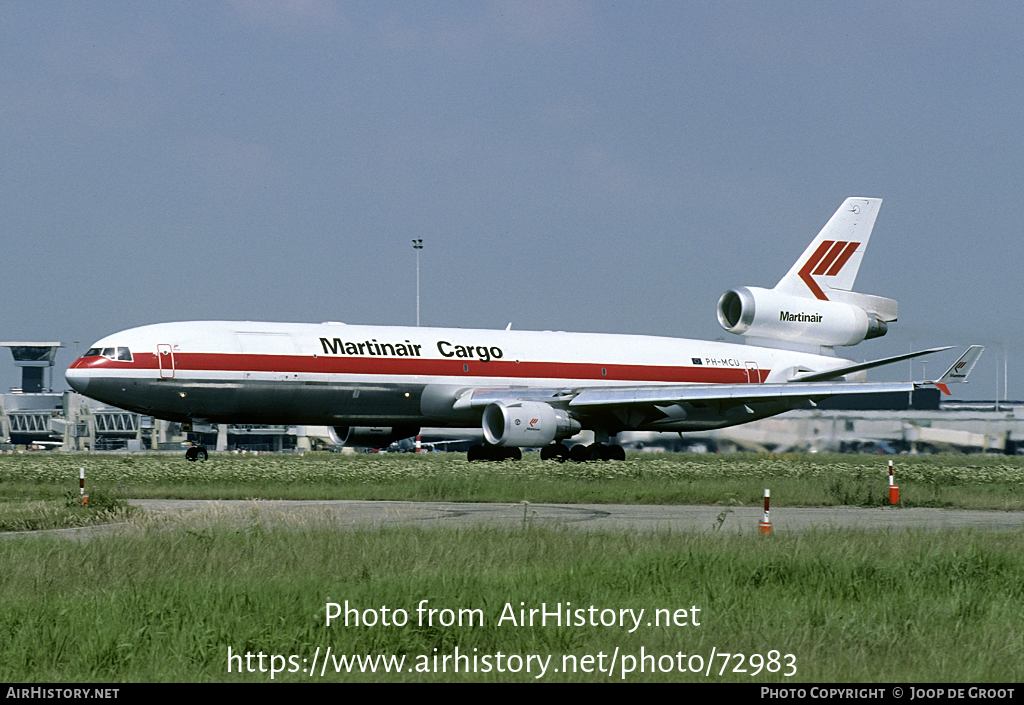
point(570, 165)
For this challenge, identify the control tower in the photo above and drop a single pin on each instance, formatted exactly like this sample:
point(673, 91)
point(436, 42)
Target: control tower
point(33, 359)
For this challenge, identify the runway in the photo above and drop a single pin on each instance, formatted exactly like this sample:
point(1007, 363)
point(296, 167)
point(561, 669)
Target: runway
point(606, 517)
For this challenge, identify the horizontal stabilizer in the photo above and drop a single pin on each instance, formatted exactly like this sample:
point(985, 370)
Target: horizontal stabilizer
point(878, 306)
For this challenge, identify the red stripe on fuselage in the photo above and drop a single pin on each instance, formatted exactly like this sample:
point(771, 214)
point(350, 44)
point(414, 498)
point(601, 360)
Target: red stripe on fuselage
point(414, 367)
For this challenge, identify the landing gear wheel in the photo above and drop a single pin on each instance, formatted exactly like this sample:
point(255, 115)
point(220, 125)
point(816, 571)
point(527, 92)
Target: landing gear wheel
point(612, 453)
point(196, 453)
point(555, 451)
point(596, 451)
point(562, 452)
point(584, 453)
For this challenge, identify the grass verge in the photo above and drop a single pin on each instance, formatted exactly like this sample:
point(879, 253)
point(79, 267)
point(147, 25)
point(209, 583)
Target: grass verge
point(36, 509)
point(164, 601)
point(966, 482)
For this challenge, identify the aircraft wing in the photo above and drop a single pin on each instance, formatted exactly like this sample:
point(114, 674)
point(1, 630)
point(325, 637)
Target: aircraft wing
point(792, 392)
point(582, 399)
point(734, 393)
point(840, 371)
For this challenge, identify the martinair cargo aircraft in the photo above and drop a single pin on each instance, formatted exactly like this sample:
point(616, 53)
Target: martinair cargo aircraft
point(374, 384)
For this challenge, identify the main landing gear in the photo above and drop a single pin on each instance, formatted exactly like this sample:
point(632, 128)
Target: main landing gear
point(595, 451)
point(600, 449)
point(489, 452)
point(557, 451)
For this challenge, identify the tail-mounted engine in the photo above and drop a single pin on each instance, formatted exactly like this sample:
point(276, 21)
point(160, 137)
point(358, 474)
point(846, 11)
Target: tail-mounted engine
point(774, 315)
point(526, 424)
point(814, 305)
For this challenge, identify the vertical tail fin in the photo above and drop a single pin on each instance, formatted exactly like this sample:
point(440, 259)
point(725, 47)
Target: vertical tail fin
point(828, 267)
point(833, 258)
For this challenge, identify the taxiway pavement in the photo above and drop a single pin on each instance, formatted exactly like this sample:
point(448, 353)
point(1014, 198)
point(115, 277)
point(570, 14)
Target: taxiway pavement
point(594, 517)
point(612, 517)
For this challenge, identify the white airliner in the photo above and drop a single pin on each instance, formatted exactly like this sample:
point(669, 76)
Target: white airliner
point(376, 384)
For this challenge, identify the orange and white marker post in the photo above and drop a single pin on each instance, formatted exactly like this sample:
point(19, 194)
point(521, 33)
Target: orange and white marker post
point(894, 491)
point(765, 525)
point(82, 496)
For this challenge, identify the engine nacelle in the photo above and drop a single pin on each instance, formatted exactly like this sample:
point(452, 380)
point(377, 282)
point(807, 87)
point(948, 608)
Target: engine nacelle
point(526, 424)
point(370, 436)
point(764, 313)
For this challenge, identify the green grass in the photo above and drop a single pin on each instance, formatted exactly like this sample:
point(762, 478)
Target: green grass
point(969, 482)
point(164, 597)
point(25, 507)
point(163, 602)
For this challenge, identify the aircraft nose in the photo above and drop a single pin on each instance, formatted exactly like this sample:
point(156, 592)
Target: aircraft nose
point(77, 378)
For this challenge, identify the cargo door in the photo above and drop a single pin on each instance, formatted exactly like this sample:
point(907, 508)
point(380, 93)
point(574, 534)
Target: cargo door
point(268, 355)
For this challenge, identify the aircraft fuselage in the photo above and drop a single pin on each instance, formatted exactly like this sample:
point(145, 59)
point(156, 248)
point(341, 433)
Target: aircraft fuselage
point(336, 374)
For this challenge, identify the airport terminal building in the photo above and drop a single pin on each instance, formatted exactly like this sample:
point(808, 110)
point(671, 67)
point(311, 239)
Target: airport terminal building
point(34, 416)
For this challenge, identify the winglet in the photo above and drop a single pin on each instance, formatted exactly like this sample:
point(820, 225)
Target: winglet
point(959, 370)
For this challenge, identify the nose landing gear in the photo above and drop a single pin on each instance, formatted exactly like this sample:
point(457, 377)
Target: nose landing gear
point(195, 453)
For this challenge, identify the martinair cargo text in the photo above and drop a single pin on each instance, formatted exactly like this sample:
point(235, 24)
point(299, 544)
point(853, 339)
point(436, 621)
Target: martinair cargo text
point(374, 384)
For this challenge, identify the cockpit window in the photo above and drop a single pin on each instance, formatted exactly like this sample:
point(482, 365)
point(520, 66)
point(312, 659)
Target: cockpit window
point(120, 354)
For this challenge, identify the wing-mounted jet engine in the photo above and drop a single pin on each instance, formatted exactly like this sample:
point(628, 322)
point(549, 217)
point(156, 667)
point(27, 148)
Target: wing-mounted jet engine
point(527, 424)
point(813, 306)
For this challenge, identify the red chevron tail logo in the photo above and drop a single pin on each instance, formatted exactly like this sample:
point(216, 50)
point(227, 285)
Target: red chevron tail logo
point(828, 260)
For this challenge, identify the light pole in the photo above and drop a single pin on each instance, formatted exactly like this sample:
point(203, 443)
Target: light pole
point(417, 245)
